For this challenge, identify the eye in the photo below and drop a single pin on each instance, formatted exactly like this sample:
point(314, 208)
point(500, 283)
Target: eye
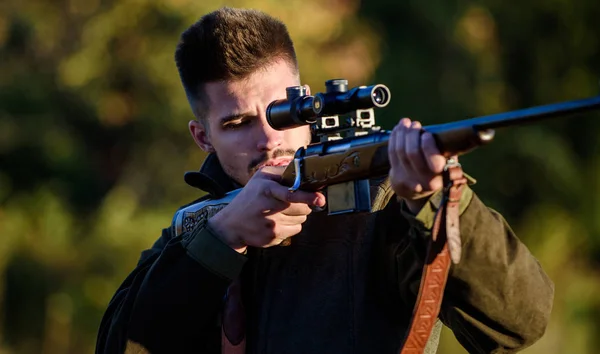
point(234, 125)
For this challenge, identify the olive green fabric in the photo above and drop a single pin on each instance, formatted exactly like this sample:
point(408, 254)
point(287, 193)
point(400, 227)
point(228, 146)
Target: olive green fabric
point(206, 248)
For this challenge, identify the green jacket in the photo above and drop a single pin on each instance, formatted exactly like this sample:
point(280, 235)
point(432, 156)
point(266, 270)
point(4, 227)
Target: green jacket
point(346, 284)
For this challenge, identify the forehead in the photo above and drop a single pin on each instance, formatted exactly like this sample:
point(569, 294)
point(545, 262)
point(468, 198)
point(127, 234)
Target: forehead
point(254, 92)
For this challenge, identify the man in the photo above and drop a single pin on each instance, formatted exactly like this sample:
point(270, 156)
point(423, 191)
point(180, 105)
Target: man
point(347, 283)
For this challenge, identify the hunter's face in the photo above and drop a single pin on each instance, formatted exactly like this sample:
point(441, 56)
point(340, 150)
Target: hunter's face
point(238, 131)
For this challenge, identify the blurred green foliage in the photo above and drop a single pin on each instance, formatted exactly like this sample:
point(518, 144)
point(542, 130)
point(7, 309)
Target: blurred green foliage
point(94, 143)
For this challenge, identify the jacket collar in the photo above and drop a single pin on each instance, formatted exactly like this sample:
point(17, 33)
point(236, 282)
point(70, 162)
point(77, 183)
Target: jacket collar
point(211, 178)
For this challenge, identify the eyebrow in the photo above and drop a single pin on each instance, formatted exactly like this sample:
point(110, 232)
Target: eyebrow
point(235, 116)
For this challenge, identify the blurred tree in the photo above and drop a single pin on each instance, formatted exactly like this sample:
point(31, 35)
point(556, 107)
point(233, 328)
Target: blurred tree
point(93, 139)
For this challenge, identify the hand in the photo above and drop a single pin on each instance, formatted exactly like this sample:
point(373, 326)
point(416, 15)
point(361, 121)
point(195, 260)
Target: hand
point(416, 164)
point(264, 213)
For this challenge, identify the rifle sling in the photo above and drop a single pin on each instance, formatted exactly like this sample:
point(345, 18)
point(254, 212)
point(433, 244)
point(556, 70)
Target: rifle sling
point(443, 246)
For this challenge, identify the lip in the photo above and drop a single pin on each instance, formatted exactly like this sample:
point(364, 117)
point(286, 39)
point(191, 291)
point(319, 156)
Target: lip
point(282, 161)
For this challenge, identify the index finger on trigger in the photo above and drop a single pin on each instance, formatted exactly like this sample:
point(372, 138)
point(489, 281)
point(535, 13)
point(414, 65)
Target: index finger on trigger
point(309, 198)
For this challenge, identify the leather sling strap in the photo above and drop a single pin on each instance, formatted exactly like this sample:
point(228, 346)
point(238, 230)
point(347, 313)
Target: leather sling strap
point(444, 246)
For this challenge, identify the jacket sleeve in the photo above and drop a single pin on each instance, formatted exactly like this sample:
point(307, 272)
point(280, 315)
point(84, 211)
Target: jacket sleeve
point(498, 298)
point(170, 303)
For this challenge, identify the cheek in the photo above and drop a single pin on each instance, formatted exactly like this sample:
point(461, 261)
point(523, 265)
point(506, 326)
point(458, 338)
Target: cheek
point(231, 143)
point(299, 136)
point(232, 150)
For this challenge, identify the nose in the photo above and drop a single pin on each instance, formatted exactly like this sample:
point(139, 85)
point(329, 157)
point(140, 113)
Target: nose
point(270, 138)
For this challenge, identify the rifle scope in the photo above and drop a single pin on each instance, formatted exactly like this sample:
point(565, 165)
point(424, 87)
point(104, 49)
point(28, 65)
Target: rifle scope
point(339, 100)
point(294, 111)
point(301, 109)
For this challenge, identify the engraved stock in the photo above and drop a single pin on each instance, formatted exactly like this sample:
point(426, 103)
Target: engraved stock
point(188, 218)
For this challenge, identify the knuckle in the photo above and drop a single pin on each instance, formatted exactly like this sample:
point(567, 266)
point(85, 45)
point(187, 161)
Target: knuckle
point(416, 187)
point(436, 183)
point(269, 188)
point(270, 227)
point(266, 190)
point(277, 235)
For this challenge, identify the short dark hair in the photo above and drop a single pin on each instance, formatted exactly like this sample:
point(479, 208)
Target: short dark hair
point(229, 44)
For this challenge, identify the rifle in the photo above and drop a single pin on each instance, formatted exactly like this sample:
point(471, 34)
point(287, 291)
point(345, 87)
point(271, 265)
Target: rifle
point(348, 148)
point(343, 166)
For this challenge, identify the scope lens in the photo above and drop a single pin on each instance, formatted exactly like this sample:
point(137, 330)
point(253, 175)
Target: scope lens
point(379, 95)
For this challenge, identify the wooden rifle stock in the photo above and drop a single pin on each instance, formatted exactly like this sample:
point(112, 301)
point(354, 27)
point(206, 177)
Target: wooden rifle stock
point(364, 157)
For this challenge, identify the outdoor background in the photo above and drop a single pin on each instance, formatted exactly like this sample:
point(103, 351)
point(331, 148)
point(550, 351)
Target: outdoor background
point(94, 140)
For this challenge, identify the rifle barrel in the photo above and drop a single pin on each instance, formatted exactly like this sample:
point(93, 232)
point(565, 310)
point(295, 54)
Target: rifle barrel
point(459, 137)
point(526, 115)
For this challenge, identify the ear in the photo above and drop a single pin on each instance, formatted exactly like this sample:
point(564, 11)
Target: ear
point(307, 90)
point(200, 135)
